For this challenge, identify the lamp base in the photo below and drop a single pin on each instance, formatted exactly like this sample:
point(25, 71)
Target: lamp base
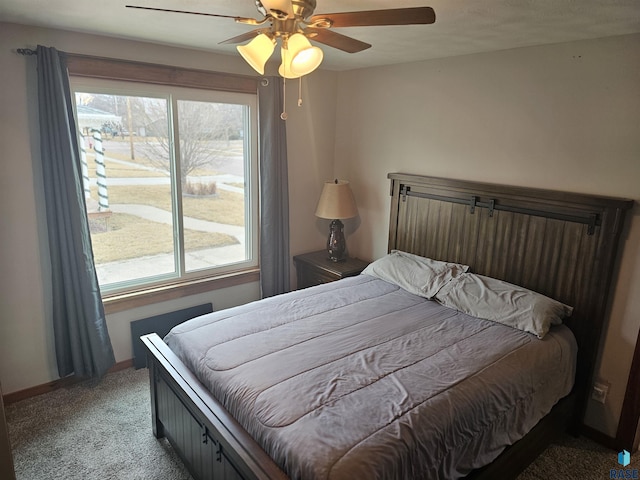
point(336, 245)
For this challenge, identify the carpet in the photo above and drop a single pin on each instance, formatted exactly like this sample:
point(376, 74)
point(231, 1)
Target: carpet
point(91, 432)
point(103, 431)
point(580, 459)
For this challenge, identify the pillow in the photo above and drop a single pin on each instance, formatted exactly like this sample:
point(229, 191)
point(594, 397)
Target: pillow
point(418, 275)
point(512, 305)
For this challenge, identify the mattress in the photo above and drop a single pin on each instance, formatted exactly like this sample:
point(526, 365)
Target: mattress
point(361, 379)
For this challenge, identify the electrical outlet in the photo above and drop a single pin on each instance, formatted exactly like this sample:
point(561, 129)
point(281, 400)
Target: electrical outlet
point(599, 393)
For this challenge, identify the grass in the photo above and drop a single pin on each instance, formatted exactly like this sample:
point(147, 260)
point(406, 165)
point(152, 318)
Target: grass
point(127, 236)
point(227, 207)
point(122, 170)
point(123, 236)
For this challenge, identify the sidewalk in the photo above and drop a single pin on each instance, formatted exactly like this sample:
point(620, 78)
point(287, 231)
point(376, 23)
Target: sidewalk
point(162, 216)
point(221, 181)
point(164, 263)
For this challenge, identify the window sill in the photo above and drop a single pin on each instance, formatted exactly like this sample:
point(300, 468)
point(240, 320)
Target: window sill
point(119, 302)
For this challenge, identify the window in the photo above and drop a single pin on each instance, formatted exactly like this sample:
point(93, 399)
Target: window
point(170, 177)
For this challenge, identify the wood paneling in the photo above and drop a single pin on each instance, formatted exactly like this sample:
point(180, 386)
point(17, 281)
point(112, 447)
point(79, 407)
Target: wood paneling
point(560, 244)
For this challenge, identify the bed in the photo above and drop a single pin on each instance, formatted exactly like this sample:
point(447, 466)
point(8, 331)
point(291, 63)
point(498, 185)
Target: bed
point(283, 387)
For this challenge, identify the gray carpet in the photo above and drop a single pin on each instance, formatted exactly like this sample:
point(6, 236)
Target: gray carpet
point(576, 458)
point(91, 432)
point(104, 432)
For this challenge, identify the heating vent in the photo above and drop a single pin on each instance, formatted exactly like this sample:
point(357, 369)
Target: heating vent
point(160, 324)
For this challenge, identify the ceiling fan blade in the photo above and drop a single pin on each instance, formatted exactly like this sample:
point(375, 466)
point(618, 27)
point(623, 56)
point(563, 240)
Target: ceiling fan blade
point(243, 37)
point(237, 19)
point(336, 40)
point(369, 18)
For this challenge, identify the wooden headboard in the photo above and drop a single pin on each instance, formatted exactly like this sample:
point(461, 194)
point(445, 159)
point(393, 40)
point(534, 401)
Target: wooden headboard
point(563, 245)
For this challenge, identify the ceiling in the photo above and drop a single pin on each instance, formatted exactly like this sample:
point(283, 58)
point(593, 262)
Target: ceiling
point(462, 26)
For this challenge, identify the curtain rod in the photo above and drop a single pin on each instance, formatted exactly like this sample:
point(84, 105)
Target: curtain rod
point(134, 71)
point(85, 57)
point(26, 51)
point(31, 51)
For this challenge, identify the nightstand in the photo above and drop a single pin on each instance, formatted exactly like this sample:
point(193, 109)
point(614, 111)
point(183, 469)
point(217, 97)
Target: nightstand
point(315, 268)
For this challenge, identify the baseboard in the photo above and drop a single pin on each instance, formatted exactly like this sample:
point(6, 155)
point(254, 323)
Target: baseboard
point(30, 392)
point(599, 437)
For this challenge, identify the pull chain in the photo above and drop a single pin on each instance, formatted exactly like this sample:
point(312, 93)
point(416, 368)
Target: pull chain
point(300, 93)
point(284, 115)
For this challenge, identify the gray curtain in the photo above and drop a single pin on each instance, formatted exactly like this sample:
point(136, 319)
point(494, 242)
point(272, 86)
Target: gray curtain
point(274, 190)
point(82, 341)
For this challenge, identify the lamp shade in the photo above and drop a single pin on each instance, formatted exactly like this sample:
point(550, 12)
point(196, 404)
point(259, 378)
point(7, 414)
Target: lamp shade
point(285, 67)
point(257, 52)
point(336, 201)
point(299, 57)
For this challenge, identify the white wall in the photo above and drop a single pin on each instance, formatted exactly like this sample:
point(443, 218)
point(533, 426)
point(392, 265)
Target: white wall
point(26, 346)
point(562, 117)
point(310, 150)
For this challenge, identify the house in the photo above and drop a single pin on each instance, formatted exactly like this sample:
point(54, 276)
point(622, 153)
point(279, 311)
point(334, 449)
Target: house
point(562, 116)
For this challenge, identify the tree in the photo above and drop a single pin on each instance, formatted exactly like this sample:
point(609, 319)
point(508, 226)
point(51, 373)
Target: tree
point(204, 130)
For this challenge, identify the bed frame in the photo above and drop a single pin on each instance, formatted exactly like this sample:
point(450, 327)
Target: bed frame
point(563, 245)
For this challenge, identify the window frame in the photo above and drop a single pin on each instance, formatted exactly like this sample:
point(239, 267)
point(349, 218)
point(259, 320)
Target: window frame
point(169, 76)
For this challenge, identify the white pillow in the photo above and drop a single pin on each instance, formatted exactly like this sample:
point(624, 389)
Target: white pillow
point(499, 301)
point(418, 275)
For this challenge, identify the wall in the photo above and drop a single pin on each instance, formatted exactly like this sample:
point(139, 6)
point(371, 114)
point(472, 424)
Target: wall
point(310, 149)
point(563, 117)
point(26, 350)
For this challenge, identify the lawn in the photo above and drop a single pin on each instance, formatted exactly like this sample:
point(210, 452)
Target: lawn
point(128, 237)
point(226, 207)
point(123, 236)
point(123, 168)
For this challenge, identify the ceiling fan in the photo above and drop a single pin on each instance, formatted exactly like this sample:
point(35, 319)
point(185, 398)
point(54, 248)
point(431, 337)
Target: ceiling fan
point(293, 22)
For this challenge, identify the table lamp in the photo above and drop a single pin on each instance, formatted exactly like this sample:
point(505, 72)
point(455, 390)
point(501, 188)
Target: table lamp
point(336, 203)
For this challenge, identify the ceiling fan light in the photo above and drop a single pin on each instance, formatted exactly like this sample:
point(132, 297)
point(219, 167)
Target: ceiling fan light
point(304, 57)
point(306, 61)
point(257, 52)
point(285, 67)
